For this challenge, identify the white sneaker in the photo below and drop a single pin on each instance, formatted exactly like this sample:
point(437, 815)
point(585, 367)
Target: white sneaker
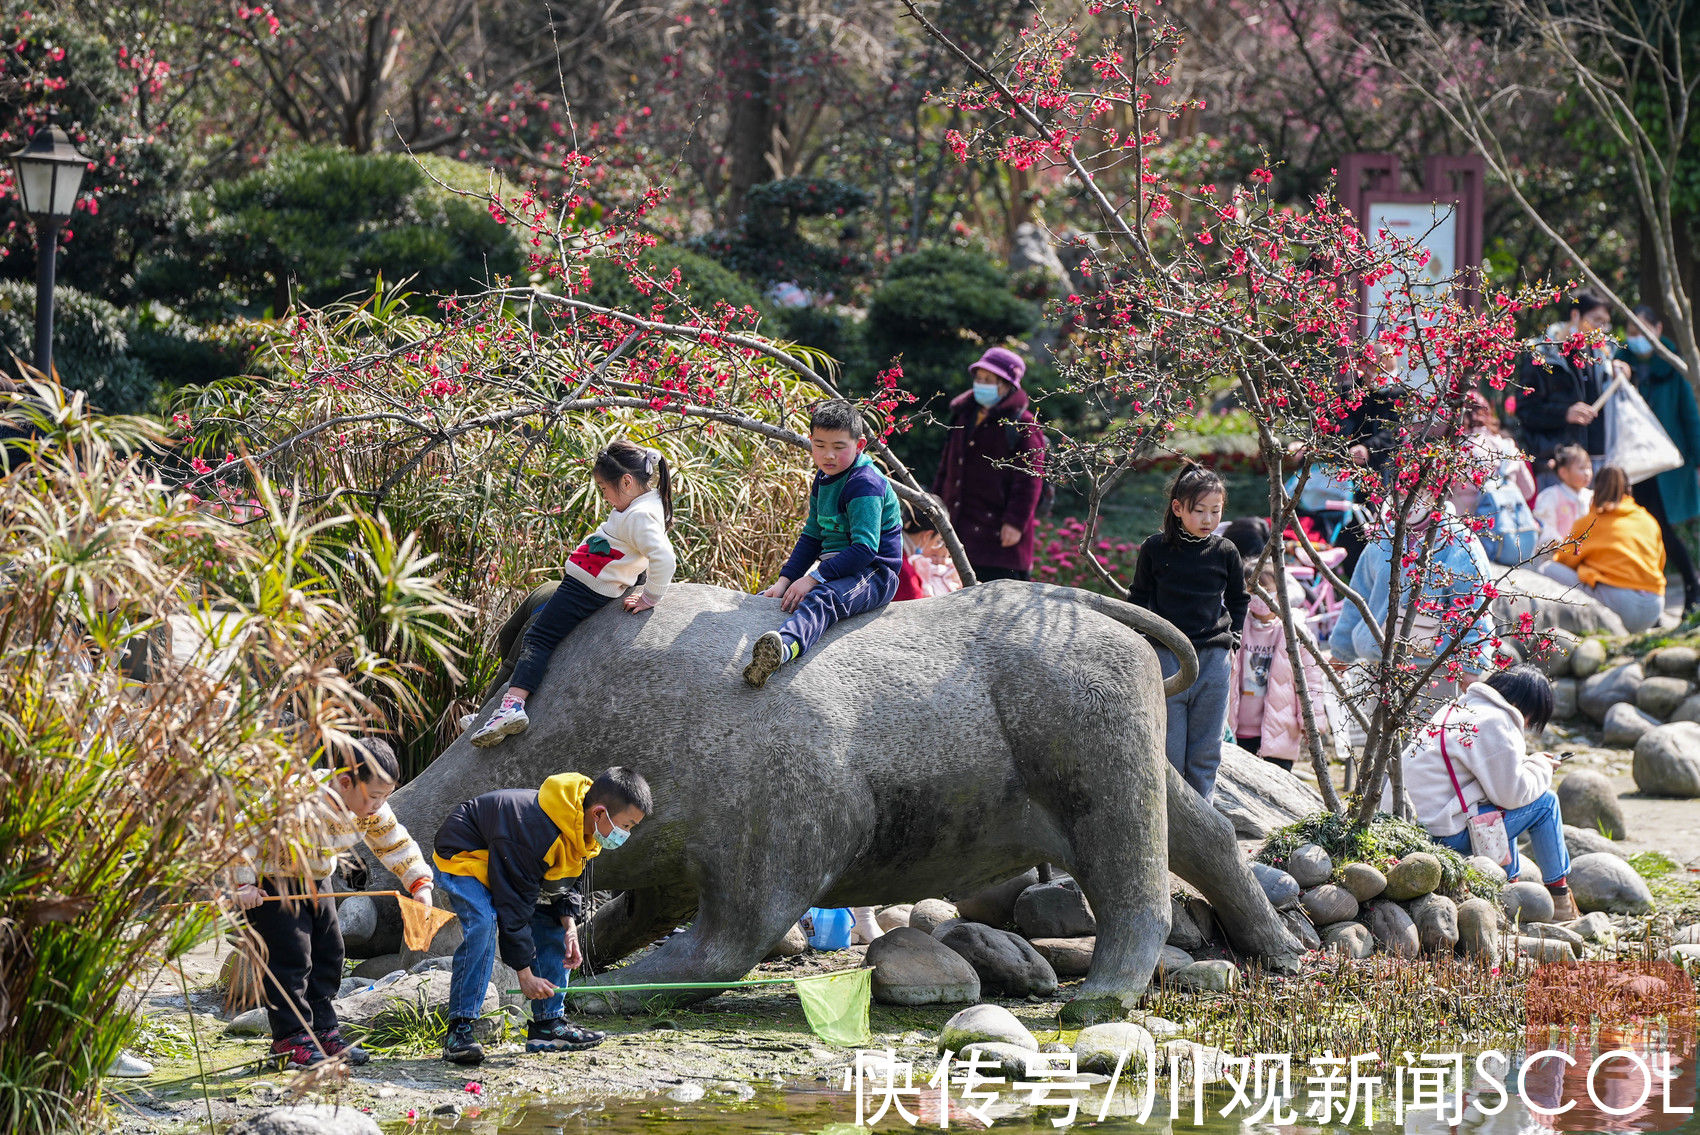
point(466, 720)
point(508, 720)
point(130, 1067)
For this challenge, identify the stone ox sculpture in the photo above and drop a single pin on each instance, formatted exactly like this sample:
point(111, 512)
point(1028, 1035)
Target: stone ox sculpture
point(933, 748)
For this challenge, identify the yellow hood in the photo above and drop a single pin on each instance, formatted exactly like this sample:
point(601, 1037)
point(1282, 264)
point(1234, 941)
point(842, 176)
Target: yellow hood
point(562, 799)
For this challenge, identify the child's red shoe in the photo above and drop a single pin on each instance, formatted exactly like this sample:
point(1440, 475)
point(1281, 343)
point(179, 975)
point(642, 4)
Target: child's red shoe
point(297, 1051)
point(334, 1046)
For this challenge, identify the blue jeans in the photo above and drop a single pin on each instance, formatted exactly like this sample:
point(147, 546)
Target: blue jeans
point(1639, 610)
point(838, 599)
point(1545, 825)
point(1197, 716)
point(475, 957)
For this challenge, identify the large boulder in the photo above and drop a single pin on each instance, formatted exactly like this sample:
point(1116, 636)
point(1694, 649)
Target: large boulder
point(1610, 687)
point(1584, 841)
point(891, 917)
point(1624, 725)
point(1417, 874)
point(1478, 928)
point(1071, 957)
point(995, 905)
point(1259, 797)
point(794, 943)
point(912, 968)
point(1436, 918)
point(930, 914)
point(1214, 976)
point(1119, 1044)
point(1587, 800)
point(1031, 251)
point(1588, 658)
point(1667, 761)
point(985, 1023)
point(428, 991)
point(1393, 929)
point(1525, 903)
point(1054, 910)
point(1608, 883)
point(309, 1119)
point(1352, 939)
point(1302, 928)
point(1007, 963)
point(1552, 653)
point(1281, 888)
point(1660, 696)
point(1310, 865)
point(1329, 904)
point(1673, 661)
point(1364, 881)
point(357, 915)
point(1184, 931)
point(1549, 605)
point(1689, 710)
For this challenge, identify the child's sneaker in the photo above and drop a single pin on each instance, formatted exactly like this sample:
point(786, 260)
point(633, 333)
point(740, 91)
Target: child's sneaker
point(768, 654)
point(335, 1046)
point(297, 1051)
point(508, 720)
point(557, 1034)
point(462, 1046)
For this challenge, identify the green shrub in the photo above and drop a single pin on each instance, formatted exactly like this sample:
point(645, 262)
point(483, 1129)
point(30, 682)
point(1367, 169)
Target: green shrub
point(91, 346)
point(1385, 840)
point(793, 229)
point(319, 224)
point(703, 280)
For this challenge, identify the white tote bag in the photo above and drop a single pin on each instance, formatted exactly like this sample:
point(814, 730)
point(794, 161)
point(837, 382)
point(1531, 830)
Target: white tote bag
point(1635, 442)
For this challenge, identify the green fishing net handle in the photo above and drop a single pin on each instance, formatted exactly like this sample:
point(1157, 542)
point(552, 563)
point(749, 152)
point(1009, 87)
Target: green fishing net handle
point(590, 990)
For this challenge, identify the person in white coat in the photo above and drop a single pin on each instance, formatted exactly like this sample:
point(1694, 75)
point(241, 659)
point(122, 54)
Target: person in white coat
point(1472, 758)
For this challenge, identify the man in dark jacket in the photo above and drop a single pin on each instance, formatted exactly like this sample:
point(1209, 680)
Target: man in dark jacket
point(1561, 382)
point(992, 473)
point(511, 863)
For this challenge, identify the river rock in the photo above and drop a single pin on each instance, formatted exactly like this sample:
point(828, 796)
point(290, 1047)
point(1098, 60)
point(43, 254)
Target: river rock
point(1192, 1062)
point(1258, 797)
point(1689, 710)
point(1672, 661)
point(1352, 939)
point(1579, 841)
point(1478, 928)
point(416, 990)
point(1593, 927)
point(1588, 801)
point(1393, 928)
point(1302, 929)
point(985, 1023)
point(309, 1119)
point(1310, 865)
point(912, 968)
point(1436, 917)
point(1587, 658)
point(1684, 954)
point(1184, 933)
point(1608, 883)
point(1552, 653)
point(1070, 957)
point(1625, 725)
point(1364, 881)
point(358, 918)
point(1280, 888)
point(891, 917)
point(1015, 1062)
point(1101, 1048)
point(1667, 761)
point(1329, 904)
point(1008, 965)
point(1213, 976)
point(1545, 949)
point(253, 1022)
point(381, 966)
point(1488, 868)
point(1688, 934)
point(1172, 960)
point(1054, 910)
point(1525, 903)
point(929, 914)
point(1529, 871)
point(790, 945)
point(1416, 874)
point(1558, 933)
point(995, 905)
point(1564, 694)
point(1610, 687)
point(1660, 696)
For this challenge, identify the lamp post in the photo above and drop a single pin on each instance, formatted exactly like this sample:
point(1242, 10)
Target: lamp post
point(47, 173)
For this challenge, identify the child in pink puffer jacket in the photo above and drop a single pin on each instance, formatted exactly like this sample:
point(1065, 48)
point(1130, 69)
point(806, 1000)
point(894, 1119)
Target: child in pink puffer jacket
point(1263, 705)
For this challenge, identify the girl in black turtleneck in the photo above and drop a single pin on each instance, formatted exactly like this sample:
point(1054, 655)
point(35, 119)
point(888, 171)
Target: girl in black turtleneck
point(1192, 577)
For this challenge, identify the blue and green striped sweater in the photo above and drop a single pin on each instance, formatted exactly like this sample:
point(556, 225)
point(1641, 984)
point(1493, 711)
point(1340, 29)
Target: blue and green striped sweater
point(853, 525)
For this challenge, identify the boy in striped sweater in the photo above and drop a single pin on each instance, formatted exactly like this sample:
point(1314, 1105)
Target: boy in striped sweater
point(302, 937)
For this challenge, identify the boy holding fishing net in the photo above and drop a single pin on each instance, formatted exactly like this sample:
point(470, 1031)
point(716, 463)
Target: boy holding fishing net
point(282, 885)
point(511, 862)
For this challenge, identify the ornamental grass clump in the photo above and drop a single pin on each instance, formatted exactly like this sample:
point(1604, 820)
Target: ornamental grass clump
point(167, 679)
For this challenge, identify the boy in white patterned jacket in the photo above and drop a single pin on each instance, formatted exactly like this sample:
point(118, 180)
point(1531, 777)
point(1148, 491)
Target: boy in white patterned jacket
point(303, 940)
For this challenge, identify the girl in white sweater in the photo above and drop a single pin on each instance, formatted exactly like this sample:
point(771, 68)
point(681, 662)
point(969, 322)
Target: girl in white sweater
point(631, 541)
point(1472, 758)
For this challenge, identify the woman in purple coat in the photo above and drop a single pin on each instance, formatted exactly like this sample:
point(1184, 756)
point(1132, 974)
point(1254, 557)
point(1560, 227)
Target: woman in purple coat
point(992, 471)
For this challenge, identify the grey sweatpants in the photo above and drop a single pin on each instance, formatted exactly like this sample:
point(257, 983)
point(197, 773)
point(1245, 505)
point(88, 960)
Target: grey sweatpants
point(1197, 716)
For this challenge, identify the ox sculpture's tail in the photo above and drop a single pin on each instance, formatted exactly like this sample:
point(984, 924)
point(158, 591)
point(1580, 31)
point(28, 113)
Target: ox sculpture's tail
point(1152, 626)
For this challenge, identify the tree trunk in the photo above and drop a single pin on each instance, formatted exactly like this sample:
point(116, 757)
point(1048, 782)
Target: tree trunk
point(749, 90)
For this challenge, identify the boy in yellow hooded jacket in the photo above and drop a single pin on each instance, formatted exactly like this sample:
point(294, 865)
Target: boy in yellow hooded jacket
point(511, 862)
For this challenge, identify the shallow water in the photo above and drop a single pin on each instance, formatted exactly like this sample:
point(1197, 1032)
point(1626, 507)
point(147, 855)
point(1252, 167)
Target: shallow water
point(1611, 1106)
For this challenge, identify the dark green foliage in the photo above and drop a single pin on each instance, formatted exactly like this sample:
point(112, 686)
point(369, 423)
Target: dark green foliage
point(319, 224)
point(183, 354)
point(91, 345)
point(773, 242)
point(703, 280)
point(1385, 839)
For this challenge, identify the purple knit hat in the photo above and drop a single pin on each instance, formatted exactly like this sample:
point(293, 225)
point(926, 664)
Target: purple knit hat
point(1004, 363)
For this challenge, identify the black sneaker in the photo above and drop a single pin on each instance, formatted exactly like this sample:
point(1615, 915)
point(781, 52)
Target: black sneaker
point(557, 1034)
point(335, 1046)
point(462, 1047)
point(766, 656)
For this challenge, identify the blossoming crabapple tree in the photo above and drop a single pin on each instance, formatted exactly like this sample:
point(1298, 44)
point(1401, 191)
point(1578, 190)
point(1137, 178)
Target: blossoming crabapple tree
point(1204, 288)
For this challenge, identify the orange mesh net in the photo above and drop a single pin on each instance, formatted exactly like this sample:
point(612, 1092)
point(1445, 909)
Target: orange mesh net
point(420, 923)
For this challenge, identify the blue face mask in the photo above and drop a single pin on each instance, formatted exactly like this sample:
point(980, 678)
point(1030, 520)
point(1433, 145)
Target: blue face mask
point(615, 839)
point(1640, 345)
point(986, 393)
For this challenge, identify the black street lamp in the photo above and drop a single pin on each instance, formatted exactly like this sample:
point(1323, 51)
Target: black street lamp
point(46, 174)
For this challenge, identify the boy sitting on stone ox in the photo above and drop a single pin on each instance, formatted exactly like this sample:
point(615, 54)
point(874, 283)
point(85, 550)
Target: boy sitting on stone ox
point(854, 530)
point(512, 864)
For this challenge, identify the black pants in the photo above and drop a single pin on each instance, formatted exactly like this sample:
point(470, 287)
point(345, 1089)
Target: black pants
point(1647, 495)
point(571, 604)
point(987, 574)
point(1255, 745)
point(303, 959)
